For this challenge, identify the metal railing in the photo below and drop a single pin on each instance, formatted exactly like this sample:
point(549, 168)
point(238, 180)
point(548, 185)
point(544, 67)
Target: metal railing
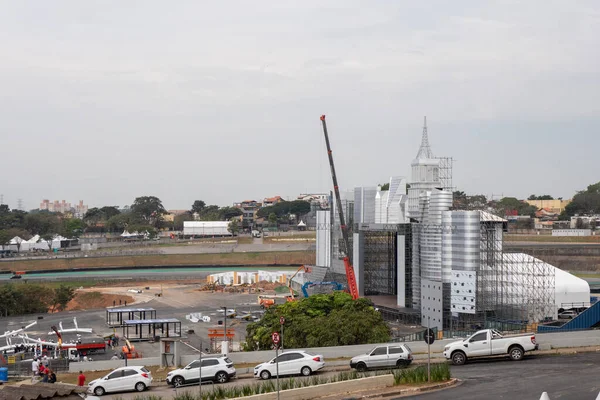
point(23, 368)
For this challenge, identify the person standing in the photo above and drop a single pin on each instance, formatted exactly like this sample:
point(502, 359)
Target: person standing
point(81, 379)
point(35, 369)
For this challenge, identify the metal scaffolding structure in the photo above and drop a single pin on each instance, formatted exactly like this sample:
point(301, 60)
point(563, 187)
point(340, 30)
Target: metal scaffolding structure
point(380, 259)
point(445, 172)
point(515, 291)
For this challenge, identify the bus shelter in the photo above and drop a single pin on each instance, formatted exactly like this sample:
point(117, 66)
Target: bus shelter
point(116, 316)
point(149, 329)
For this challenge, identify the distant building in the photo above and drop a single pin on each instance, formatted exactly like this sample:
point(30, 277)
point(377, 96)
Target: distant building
point(319, 199)
point(271, 201)
point(63, 207)
point(249, 209)
point(171, 214)
point(553, 206)
point(586, 221)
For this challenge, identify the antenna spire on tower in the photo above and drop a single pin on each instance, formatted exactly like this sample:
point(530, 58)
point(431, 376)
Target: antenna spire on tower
point(425, 149)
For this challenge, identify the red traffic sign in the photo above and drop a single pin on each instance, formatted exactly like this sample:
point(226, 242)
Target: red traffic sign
point(275, 337)
point(281, 320)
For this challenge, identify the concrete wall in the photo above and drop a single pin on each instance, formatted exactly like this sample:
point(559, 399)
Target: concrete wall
point(111, 364)
point(546, 340)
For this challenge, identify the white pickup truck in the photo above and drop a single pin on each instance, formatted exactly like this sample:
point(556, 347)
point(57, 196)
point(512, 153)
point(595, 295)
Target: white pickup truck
point(490, 342)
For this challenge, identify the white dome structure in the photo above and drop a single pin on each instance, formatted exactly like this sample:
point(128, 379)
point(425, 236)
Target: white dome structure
point(570, 290)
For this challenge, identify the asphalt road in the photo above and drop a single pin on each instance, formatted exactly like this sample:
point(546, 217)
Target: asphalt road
point(564, 377)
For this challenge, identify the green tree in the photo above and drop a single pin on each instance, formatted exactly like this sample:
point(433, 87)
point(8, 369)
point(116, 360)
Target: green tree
point(180, 219)
point(285, 208)
point(273, 219)
point(508, 204)
point(148, 210)
point(118, 223)
point(109, 211)
point(198, 206)
point(229, 212)
point(72, 227)
point(320, 320)
point(542, 197)
point(210, 213)
point(584, 202)
point(43, 223)
point(62, 296)
point(385, 186)
point(233, 227)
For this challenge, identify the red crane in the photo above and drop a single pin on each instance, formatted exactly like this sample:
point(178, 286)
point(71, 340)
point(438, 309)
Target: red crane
point(346, 242)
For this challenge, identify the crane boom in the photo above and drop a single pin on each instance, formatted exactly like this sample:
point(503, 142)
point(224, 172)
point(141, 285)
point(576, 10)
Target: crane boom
point(346, 242)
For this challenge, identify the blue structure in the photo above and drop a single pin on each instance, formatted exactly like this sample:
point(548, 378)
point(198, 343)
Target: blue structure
point(336, 285)
point(3, 374)
point(586, 320)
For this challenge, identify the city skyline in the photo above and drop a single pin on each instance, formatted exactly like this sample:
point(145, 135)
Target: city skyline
point(112, 101)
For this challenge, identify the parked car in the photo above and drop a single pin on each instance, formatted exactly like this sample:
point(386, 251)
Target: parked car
point(16, 276)
point(489, 342)
point(122, 379)
point(295, 362)
point(387, 356)
point(216, 369)
point(568, 314)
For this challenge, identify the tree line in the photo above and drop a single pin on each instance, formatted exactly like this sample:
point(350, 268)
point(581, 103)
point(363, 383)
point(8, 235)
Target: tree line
point(27, 298)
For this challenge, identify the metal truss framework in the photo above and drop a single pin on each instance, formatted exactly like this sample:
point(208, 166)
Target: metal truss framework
point(445, 169)
point(515, 291)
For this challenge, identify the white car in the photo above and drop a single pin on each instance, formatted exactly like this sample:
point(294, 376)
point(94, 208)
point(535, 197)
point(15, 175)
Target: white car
point(216, 369)
point(122, 379)
point(290, 363)
point(385, 356)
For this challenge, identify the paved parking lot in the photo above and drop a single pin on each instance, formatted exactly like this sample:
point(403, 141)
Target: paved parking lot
point(565, 377)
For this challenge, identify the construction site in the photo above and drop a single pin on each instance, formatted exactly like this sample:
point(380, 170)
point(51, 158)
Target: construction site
point(424, 263)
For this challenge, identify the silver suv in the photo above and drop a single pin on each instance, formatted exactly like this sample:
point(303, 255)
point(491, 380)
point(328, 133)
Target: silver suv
point(385, 356)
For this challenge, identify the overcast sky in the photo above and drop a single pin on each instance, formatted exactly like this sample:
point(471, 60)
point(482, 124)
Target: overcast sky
point(108, 100)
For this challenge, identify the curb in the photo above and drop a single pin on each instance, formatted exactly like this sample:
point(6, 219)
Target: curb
point(438, 386)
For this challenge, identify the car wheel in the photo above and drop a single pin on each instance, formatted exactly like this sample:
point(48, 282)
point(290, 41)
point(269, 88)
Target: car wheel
point(222, 377)
point(140, 387)
point(178, 381)
point(306, 371)
point(516, 353)
point(265, 375)
point(401, 363)
point(361, 367)
point(459, 358)
point(99, 391)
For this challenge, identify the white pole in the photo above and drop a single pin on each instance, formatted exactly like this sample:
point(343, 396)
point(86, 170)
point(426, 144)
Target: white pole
point(277, 367)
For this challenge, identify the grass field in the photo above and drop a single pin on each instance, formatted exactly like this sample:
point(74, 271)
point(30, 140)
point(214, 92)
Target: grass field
point(552, 239)
point(283, 258)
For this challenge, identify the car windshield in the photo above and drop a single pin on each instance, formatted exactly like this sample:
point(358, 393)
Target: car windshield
point(144, 369)
point(407, 348)
point(228, 361)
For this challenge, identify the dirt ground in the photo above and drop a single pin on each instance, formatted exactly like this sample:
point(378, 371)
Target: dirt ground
point(89, 299)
